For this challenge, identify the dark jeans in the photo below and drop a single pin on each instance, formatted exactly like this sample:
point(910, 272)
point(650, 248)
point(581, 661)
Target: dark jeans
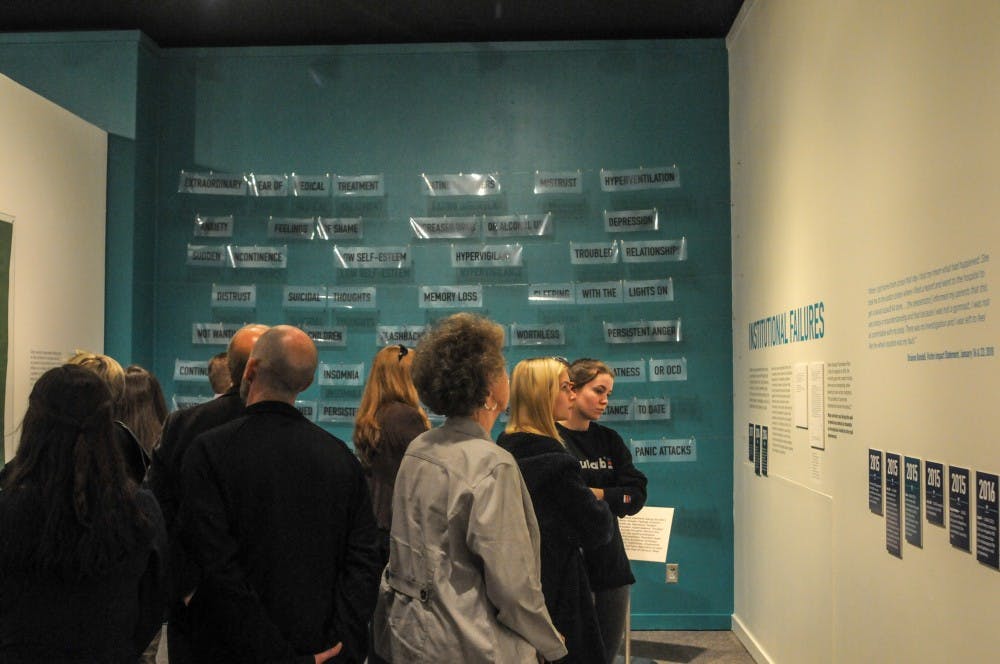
point(612, 612)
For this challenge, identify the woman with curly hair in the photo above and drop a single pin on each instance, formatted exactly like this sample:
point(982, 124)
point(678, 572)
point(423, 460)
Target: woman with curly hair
point(389, 417)
point(463, 580)
point(82, 545)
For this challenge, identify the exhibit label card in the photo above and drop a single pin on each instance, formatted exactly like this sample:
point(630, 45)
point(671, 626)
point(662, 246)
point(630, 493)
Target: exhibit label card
point(359, 185)
point(487, 255)
point(203, 255)
point(602, 292)
point(368, 258)
point(631, 221)
point(513, 225)
point(237, 297)
point(191, 371)
point(646, 535)
point(213, 226)
point(408, 335)
point(668, 369)
point(339, 228)
point(618, 410)
point(351, 297)
point(652, 409)
point(750, 443)
point(461, 184)
point(654, 251)
point(756, 449)
point(632, 371)
point(593, 253)
point(304, 297)
point(341, 375)
point(893, 543)
point(817, 405)
point(958, 507)
point(934, 498)
point(434, 228)
point(763, 451)
point(664, 450)
point(637, 332)
point(986, 519)
point(634, 179)
point(275, 258)
point(649, 290)
point(296, 228)
point(219, 184)
point(541, 334)
point(268, 185)
point(326, 336)
point(914, 524)
point(551, 293)
point(558, 182)
point(213, 334)
point(450, 297)
point(875, 481)
point(314, 186)
point(338, 410)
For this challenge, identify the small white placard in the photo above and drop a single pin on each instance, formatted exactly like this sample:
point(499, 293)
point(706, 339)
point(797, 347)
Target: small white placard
point(307, 408)
point(213, 334)
point(646, 534)
point(219, 184)
point(240, 297)
point(461, 184)
point(519, 225)
point(637, 332)
point(654, 251)
point(367, 258)
point(633, 179)
point(327, 337)
point(631, 371)
point(558, 182)
point(668, 369)
point(304, 297)
point(434, 228)
point(268, 185)
point(631, 221)
point(593, 253)
point(649, 290)
point(551, 293)
point(450, 297)
point(541, 334)
point(618, 410)
point(408, 335)
point(339, 410)
point(297, 228)
point(313, 186)
point(213, 226)
point(603, 292)
point(652, 409)
point(487, 255)
point(191, 371)
point(339, 228)
point(274, 258)
point(350, 297)
point(203, 255)
point(341, 375)
point(359, 185)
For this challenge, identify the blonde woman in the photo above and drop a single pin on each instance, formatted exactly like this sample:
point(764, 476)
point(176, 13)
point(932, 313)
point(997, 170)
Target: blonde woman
point(389, 417)
point(569, 514)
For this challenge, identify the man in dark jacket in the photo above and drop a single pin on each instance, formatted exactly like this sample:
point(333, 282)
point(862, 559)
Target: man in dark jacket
point(164, 479)
point(278, 516)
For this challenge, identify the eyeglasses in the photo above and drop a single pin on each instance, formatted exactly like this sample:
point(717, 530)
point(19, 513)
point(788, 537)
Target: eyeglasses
point(403, 350)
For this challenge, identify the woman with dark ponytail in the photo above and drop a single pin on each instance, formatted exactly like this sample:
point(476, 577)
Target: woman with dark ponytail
point(80, 544)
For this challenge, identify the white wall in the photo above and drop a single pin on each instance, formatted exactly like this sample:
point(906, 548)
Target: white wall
point(865, 138)
point(53, 181)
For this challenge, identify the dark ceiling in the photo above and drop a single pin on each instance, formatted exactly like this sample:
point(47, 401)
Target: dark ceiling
point(184, 23)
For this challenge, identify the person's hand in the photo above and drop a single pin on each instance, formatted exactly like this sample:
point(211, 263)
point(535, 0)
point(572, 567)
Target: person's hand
point(598, 492)
point(321, 657)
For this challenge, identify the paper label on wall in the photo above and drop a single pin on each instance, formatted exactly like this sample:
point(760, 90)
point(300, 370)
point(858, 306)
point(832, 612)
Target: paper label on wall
point(800, 395)
point(307, 408)
point(646, 534)
point(934, 492)
point(634, 179)
point(434, 228)
point(296, 228)
point(461, 184)
point(541, 334)
point(750, 444)
point(875, 481)
point(514, 225)
point(213, 334)
point(637, 332)
point(191, 371)
point(654, 251)
point(367, 258)
point(204, 255)
point(487, 255)
point(450, 297)
point(649, 290)
point(631, 221)
point(274, 258)
point(359, 185)
point(675, 368)
point(593, 253)
point(310, 186)
point(817, 406)
point(756, 449)
point(911, 501)
point(337, 410)
point(408, 335)
point(339, 228)
point(763, 451)
point(958, 507)
point(351, 297)
point(213, 226)
point(219, 184)
point(304, 297)
point(240, 297)
point(558, 182)
point(893, 543)
point(551, 293)
point(618, 410)
point(631, 371)
point(652, 409)
point(326, 336)
point(268, 185)
point(182, 401)
point(664, 450)
point(341, 375)
point(987, 519)
point(601, 292)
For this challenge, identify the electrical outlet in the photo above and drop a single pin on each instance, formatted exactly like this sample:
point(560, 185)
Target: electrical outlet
point(673, 572)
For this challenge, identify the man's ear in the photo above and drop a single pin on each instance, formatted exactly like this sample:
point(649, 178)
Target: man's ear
point(250, 371)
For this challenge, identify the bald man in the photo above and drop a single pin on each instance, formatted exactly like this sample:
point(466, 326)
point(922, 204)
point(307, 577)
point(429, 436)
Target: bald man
point(277, 513)
point(164, 479)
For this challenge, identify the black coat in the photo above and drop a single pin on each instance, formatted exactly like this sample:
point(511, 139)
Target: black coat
point(276, 512)
point(569, 517)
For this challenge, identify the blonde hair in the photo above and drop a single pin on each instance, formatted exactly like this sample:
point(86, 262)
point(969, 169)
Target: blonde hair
point(388, 381)
point(534, 386)
point(108, 369)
